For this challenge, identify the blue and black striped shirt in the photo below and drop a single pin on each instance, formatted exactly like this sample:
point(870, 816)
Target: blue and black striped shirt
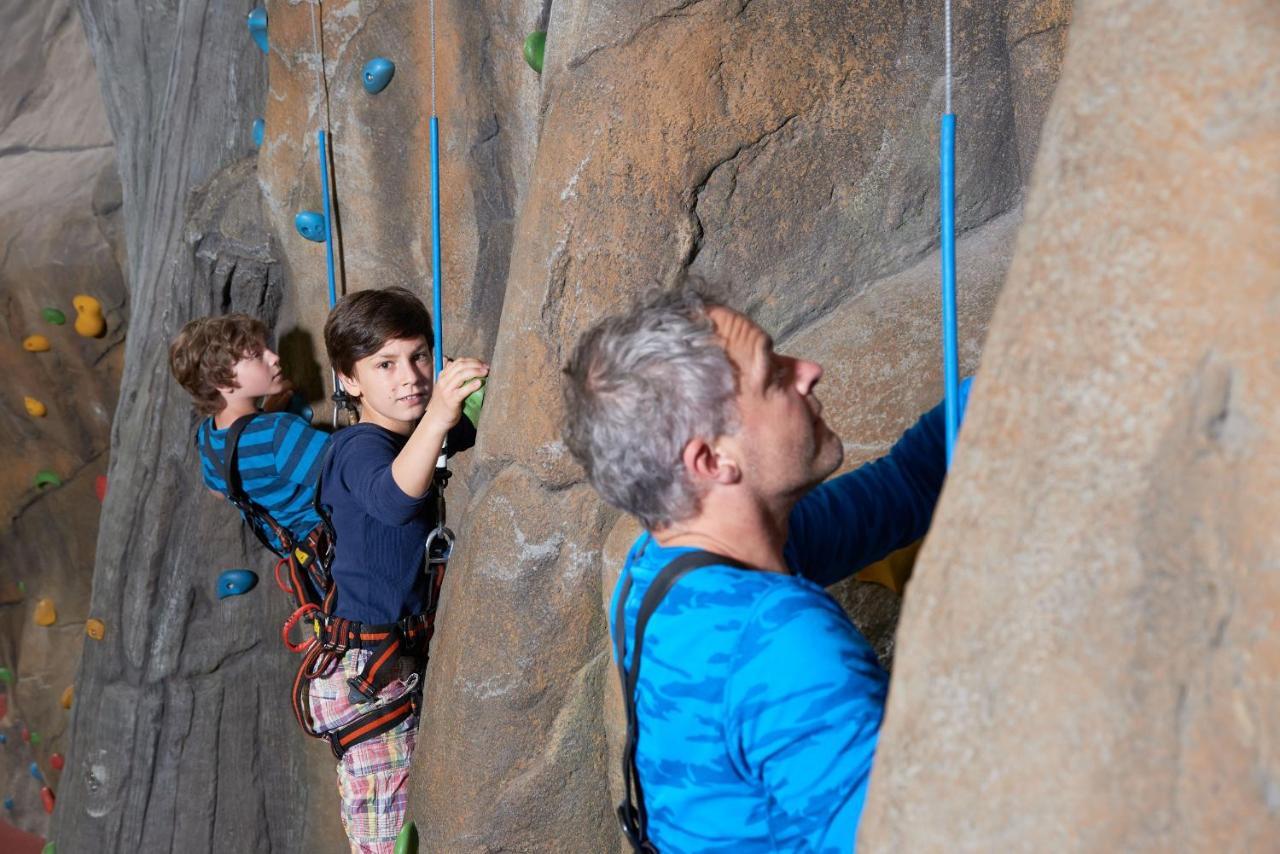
point(279, 461)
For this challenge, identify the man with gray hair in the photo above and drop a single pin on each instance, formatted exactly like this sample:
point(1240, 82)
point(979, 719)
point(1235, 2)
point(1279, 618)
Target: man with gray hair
point(753, 721)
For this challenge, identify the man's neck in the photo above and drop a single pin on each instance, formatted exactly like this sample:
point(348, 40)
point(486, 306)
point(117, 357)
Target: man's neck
point(737, 527)
point(236, 407)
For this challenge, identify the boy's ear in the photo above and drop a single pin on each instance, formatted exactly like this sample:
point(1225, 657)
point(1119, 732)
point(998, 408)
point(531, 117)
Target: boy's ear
point(349, 384)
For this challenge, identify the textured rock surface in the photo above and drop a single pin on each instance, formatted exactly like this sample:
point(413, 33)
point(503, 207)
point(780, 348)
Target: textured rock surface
point(1088, 657)
point(787, 150)
point(59, 236)
point(181, 735)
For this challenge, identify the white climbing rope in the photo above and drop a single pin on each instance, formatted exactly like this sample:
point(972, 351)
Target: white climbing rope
point(948, 50)
point(317, 38)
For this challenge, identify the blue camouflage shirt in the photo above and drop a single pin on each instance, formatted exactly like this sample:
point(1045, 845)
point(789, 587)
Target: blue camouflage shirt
point(759, 703)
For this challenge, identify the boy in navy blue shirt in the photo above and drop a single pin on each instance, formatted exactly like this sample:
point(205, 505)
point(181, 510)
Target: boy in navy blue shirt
point(378, 488)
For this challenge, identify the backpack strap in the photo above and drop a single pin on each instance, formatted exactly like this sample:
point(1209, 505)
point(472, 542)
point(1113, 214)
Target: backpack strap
point(632, 815)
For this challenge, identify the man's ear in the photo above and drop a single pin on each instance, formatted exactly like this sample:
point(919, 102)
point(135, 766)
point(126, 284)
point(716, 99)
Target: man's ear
point(707, 463)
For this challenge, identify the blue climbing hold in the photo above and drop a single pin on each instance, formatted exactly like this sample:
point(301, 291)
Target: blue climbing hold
point(4, 739)
point(234, 582)
point(310, 225)
point(299, 406)
point(258, 27)
point(35, 772)
point(377, 74)
point(259, 131)
point(8, 804)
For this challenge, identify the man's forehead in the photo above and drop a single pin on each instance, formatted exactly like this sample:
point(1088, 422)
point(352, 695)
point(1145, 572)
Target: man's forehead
point(735, 328)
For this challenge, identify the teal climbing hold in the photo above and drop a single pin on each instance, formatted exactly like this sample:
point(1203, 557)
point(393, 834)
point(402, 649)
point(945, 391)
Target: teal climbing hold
point(52, 315)
point(377, 74)
point(310, 225)
point(259, 132)
point(235, 582)
point(46, 478)
point(473, 403)
point(258, 27)
point(407, 841)
point(534, 48)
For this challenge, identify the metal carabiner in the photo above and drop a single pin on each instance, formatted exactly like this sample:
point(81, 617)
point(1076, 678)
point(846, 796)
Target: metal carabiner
point(443, 535)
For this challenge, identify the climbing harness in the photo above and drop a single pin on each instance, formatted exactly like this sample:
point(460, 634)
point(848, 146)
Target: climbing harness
point(947, 201)
point(632, 815)
point(303, 572)
point(341, 400)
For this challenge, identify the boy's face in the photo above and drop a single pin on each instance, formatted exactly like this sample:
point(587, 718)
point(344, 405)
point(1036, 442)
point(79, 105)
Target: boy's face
point(393, 384)
point(256, 376)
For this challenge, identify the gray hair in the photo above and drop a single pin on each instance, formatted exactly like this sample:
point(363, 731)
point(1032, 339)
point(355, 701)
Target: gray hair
point(639, 387)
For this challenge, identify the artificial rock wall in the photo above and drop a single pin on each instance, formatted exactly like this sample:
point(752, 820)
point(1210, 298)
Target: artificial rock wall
point(1088, 652)
point(784, 149)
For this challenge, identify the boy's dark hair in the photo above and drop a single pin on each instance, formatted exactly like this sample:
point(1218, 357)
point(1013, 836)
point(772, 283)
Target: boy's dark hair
point(203, 356)
point(363, 321)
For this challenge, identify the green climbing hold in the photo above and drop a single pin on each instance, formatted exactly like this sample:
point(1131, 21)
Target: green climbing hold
point(407, 841)
point(47, 478)
point(534, 48)
point(52, 315)
point(6, 675)
point(474, 402)
point(49, 848)
point(36, 738)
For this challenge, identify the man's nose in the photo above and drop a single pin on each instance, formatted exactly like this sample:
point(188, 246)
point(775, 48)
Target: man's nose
point(807, 375)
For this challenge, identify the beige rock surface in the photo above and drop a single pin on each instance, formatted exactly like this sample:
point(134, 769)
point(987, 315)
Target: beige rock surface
point(1087, 658)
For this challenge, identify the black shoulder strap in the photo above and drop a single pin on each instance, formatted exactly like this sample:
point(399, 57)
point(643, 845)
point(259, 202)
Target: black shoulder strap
point(632, 814)
point(254, 513)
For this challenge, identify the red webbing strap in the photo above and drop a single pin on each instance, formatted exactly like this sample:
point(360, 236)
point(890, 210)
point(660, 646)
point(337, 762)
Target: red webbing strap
point(380, 720)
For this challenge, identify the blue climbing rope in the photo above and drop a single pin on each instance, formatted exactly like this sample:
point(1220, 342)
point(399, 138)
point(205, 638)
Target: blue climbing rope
point(950, 354)
point(328, 216)
point(437, 299)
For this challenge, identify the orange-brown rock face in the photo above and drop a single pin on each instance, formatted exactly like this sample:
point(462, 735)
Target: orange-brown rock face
point(1088, 654)
point(786, 150)
point(60, 232)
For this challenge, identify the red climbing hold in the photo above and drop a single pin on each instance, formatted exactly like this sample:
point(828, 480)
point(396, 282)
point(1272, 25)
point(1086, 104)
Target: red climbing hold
point(4, 706)
point(46, 797)
point(57, 761)
point(25, 733)
point(100, 487)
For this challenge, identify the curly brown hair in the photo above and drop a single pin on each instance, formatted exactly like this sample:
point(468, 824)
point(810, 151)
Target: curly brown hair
point(204, 354)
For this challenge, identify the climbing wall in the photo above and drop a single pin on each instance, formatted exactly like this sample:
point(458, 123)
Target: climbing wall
point(60, 247)
point(1088, 655)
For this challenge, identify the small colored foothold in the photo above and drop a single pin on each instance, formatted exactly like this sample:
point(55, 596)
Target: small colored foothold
point(49, 848)
point(534, 48)
point(407, 841)
point(53, 315)
point(22, 587)
point(36, 738)
point(310, 225)
point(377, 74)
point(4, 709)
point(8, 804)
point(35, 772)
point(4, 739)
point(100, 487)
point(257, 22)
point(235, 582)
point(47, 798)
point(25, 734)
point(6, 675)
point(35, 344)
point(35, 408)
point(11, 594)
point(95, 628)
point(45, 478)
point(68, 694)
point(473, 403)
point(57, 761)
point(259, 132)
point(46, 614)
point(89, 320)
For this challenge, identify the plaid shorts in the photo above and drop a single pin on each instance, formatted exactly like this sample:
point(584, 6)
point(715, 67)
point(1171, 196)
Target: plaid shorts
point(373, 776)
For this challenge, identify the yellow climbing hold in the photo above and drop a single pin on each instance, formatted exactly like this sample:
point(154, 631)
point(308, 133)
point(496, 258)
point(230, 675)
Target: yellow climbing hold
point(89, 320)
point(35, 344)
point(67, 696)
point(46, 615)
point(95, 628)
point(35, 408)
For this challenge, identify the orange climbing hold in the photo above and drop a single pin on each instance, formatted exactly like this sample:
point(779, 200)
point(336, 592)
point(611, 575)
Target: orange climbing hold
point(95, 628)
point(47, 798)
point(35, 344)
point(100, 487)
point(46, 614)
point(67, 696)
point(89, 320)
point(35, 408)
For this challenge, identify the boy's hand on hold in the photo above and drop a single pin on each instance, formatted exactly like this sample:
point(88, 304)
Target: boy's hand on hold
point(456, 381)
